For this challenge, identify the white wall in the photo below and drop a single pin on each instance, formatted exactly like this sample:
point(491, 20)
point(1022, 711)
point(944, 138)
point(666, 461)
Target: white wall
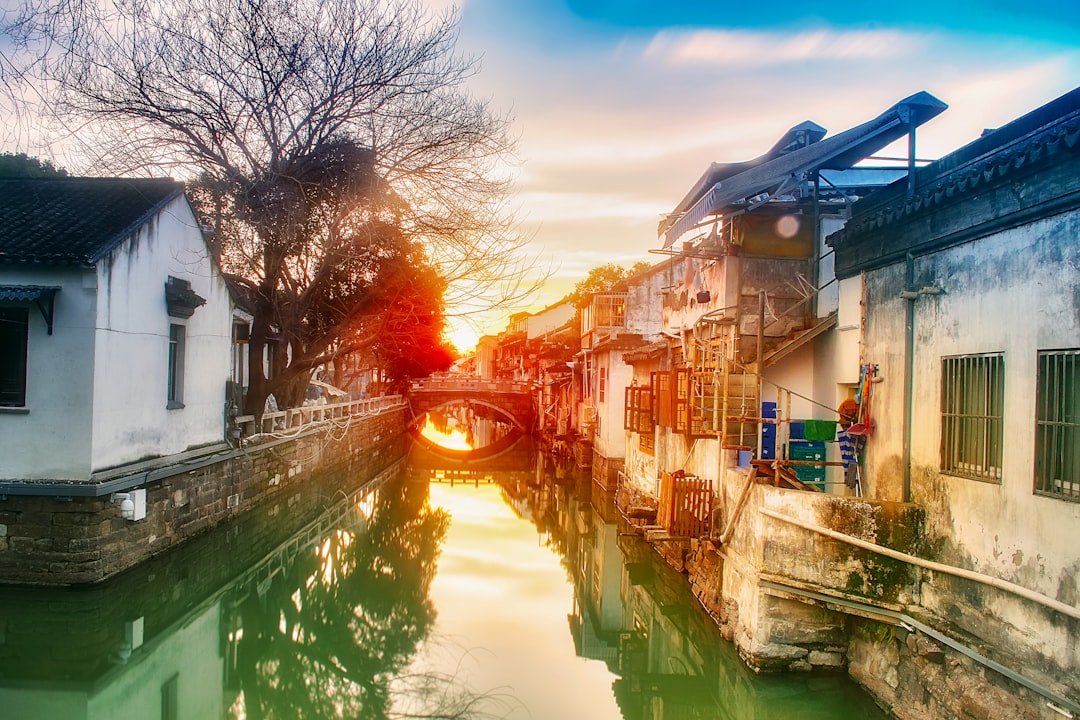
point(610, 440)
point(549, 319)
point(1016, 292)
point(131, 420)
point(51, 439)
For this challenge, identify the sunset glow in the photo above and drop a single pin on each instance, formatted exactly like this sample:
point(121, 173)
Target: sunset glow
point(453, 439)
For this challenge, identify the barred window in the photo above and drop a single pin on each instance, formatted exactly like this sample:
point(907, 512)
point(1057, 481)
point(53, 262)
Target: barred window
point(1057, 425)
point(972, 408)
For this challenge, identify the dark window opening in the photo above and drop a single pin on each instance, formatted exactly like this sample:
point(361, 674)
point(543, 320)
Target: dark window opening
point(176, 367)
point(14, 326)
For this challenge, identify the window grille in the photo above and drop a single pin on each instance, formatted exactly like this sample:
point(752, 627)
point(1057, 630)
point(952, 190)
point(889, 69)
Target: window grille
point(1057, 425)
point(972, 409)
point(638, 416)
point(604, 311)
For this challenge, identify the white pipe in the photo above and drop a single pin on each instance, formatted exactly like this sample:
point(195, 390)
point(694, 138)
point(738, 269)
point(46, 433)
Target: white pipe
point(931, 565)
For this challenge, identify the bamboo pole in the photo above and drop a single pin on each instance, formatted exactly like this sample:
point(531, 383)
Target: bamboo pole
point(750, 478)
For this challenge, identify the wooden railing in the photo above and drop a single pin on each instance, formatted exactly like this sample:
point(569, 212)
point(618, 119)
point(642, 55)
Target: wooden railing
point(295, 420)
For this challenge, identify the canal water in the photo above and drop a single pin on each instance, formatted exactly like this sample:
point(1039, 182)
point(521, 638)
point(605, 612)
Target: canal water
point(436, 594)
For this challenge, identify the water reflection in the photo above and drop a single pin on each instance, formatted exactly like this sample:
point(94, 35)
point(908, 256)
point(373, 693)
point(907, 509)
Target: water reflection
point(486, 595)
point(466, 426)
point(325, 636)
point(620, 636)
point(269, 618)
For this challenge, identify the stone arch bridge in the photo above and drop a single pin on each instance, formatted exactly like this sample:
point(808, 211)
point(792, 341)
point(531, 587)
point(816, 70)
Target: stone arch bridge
point(510, 398)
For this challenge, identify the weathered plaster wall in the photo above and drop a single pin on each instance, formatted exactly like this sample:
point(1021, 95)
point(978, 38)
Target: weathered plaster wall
point(131, 420)
point(643, 304)
point(998, 298)
point(610, 438)
point(51, 440)
point(774, 629)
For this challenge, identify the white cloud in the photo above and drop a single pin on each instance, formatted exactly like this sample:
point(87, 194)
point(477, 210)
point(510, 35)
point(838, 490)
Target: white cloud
point(552, 205)
point(761, 49)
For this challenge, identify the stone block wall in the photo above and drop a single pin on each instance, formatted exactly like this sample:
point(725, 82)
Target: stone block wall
point(916, 678)
point(78, 540)
point(605, 471)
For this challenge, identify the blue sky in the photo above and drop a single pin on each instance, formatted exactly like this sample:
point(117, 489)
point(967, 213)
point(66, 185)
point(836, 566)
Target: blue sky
point(620, 106)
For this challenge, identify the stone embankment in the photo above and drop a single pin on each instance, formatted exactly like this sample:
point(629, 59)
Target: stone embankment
point(53, 538)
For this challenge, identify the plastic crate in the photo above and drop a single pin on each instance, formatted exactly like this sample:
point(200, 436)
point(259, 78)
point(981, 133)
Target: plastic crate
point(808, 450)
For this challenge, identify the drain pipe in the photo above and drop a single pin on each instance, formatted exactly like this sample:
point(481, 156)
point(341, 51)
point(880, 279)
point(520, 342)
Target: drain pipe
point(1039, 598)
point(1058, 703)
point(909, 295)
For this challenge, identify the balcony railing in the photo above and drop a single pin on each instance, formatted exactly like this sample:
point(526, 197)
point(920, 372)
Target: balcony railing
point(296, 420)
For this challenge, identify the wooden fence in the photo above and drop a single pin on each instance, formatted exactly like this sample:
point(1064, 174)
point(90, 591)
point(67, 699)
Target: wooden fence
point(685, 505)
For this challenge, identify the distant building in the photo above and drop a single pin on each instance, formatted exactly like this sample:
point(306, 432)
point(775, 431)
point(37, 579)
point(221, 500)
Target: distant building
point(115, 327)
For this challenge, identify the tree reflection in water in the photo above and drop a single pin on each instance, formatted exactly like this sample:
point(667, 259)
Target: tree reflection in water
point(327, 637)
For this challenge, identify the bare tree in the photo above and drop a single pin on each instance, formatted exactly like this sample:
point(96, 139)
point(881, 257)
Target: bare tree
point(335, 143)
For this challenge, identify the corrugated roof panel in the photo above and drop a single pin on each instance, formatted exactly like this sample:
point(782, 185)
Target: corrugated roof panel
point(838, 152)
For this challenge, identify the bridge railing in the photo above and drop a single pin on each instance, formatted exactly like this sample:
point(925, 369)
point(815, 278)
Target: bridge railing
point(297, 419)
point(469, 385)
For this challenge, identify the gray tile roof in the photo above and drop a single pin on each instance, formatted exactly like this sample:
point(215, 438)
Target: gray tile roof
point(72, 220)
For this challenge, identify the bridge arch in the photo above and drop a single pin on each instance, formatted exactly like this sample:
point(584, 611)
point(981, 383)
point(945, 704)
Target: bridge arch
point(514, 421)
point(511, 399)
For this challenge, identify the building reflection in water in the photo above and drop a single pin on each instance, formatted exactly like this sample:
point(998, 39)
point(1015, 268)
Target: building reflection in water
point(638, 616)
point(272, 617)
point(315, 607)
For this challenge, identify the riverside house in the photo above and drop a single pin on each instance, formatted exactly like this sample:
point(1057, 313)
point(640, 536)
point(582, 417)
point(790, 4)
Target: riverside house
point(115, 327)
point(968, 276)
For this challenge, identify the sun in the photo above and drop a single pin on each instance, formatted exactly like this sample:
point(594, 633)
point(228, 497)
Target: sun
point(463, 337)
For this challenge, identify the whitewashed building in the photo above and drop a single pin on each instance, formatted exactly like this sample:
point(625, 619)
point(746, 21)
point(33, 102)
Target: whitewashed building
point(969, 282)
point(115, 327)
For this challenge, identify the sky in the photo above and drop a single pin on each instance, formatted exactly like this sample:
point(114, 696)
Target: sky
point(619, 107)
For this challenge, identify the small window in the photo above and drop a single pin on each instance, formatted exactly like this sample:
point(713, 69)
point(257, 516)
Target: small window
point(602, 385)
point(972, 410)
point(176, 367)
point(170, 699)
point(1057, 425)
point(661, 390)
point(14, 323)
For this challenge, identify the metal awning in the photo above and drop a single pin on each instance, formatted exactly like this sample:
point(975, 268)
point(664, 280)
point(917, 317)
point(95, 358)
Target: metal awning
point(41, 295)
point(838, 152)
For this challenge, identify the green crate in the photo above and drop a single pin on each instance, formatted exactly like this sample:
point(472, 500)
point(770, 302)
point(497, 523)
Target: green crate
point(812, 450)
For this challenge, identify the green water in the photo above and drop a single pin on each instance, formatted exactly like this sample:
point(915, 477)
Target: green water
point(517, 597)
